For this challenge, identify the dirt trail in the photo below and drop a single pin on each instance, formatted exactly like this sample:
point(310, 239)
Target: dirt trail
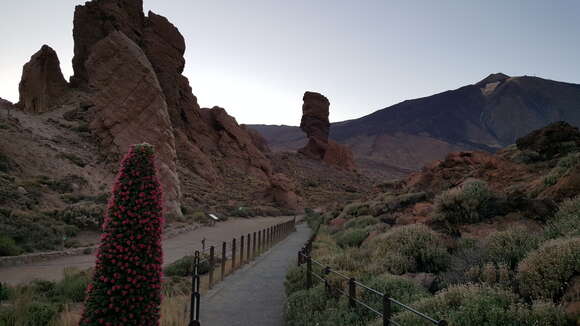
point(173, 249)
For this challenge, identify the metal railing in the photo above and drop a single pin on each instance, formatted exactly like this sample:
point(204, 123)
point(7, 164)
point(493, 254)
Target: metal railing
point(242, 250)
point(350, 291)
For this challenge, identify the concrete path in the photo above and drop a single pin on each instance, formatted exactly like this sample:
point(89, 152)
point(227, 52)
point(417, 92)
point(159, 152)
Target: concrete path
point(254, 295)
point(173, 249)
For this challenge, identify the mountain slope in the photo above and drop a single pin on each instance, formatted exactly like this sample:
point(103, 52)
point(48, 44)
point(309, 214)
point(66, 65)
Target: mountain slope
point(486, 116)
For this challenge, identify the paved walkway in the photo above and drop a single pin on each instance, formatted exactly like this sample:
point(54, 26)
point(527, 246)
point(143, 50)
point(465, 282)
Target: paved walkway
point(173, 249)
point(254, 295)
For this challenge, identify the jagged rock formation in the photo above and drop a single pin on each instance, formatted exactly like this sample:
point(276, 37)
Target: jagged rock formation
point(316, 125)
point(129, 67)
point(42, 84)
point(130, 107)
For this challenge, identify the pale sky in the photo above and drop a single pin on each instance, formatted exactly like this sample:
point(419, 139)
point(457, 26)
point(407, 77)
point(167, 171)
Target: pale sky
point(256, 58)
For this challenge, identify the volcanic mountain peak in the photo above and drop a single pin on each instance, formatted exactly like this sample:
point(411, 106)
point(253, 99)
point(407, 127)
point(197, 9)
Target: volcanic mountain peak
point(493, 78)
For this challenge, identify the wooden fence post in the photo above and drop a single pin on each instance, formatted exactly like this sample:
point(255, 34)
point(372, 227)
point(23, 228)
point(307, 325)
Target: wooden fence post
point(352, 292)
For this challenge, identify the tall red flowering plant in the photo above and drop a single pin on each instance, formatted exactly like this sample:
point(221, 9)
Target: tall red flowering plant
point(126, 287)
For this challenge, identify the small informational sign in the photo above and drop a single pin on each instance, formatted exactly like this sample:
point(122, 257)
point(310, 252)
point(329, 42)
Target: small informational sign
point(214, 217)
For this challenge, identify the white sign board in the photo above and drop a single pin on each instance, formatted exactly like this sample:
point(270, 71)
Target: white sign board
point(215, 218)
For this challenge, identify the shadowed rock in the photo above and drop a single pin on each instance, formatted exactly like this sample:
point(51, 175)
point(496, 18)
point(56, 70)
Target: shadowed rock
point(42, 84)
point(130, 107)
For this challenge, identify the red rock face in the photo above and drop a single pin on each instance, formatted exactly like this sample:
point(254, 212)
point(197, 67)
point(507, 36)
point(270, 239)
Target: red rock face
point(94, 20)
point(315, 124)
point(42, 84)
point(283, 191)
point(130, 107)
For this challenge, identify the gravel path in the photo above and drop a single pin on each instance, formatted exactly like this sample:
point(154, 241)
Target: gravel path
point(173, 249)
point(254, 295)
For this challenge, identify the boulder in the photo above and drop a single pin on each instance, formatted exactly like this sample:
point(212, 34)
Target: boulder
point(129, 107)
point(42, 85)
point(283, 191)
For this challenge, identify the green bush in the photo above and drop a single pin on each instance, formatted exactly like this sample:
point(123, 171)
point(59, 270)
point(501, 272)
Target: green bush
point(566, 222)
point(295, 279)
point(34, 231)
point(351, 237)
point(545, 272)
point(73, 286)
point(562, 169)
point(315, 308)
point(397, 287)
point(511, 246)
point(420, 245)
point(474, 305)
point(8, 246)
point(469, 203)
point(361, 222)
point(5, 163)
point(184, 267)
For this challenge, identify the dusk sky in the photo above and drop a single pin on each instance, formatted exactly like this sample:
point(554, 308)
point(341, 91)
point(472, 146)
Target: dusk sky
point(256, 58)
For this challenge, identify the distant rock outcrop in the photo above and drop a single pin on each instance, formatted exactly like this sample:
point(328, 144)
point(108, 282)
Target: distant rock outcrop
point(550, 140)
point(42, 85)
point(5, 104)
point(130, 107)
point(316, 125)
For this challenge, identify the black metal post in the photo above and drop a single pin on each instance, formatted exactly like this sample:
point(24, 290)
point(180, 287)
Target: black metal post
point(242, 250)
point(387, 313)
point(233, 255)
point(211, 265)
point(248, 253)
point(352, 292)
point(195, 296)
point(224, 258)
point(308, 272)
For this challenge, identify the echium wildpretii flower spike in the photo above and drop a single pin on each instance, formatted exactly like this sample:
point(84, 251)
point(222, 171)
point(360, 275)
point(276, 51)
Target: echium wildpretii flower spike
point(126, 287)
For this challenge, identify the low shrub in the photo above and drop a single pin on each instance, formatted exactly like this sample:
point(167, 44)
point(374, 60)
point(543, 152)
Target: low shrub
point(416, 242)
point(351, 237)
point(398, 287)
point(8, 246)
point(566, 222)
point(469, 203)
point(73, 286)
point(34, 231)
point(361, 222)
point(474, 305)
point(316, 307)
point(545, 272)
point(184, 267)
point(562, 169)
point(511, 246)
point(295, 279)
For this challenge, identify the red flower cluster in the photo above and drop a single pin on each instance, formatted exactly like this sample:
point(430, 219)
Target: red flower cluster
point(126, 287)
